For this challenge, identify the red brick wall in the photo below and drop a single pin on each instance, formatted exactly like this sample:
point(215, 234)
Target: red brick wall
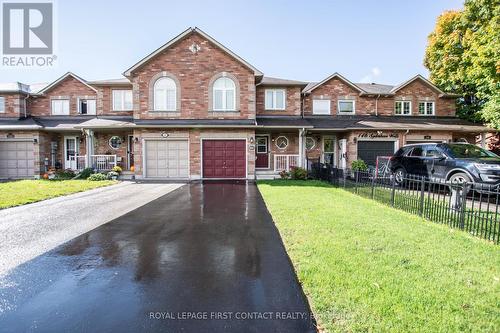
point(105, 101)
point(333, 90)
point(420, 91)
point(292, 106)
point(194, 72)
point(69, 87)
point(14, 105)
point(194, 136)
point(416, 91)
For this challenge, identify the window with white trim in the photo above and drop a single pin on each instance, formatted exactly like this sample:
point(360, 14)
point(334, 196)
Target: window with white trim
point(282, 142)
point(86, 106)
point(122, 100)
point(224, 94)
point(402, 108)
point(275, 99)
point(426, 108)
point(165, 94)
point(60, 107)
point(2, 104)
point(321, 106)
point(346, 106)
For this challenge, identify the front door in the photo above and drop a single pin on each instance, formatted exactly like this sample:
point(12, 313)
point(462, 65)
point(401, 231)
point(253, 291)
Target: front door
point(329, 150)
point(262, 152)
point(70, 152)
point(130, 151)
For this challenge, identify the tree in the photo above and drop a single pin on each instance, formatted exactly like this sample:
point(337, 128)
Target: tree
point(463, 56)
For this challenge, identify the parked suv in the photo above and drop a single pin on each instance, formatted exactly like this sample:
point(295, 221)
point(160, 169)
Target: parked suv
point(454, 162)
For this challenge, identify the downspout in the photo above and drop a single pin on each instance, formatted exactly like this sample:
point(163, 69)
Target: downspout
point(301, 147)
point(376, 105)
point(404, 136)
point(26, 105)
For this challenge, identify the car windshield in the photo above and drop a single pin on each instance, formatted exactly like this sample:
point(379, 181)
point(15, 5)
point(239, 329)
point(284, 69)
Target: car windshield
point(469, 151)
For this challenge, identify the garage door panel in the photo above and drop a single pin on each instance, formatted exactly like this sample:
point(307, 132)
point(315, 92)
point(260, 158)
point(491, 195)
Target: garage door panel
point(224, 158)
point(368, 151)
point(167, 158)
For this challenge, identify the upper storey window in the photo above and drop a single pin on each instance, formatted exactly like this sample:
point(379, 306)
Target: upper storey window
point(60, 107)
point(275, 99)
point(402, 108)
point(321, 106)
point(87, 106)
point(165, 94)
point(426, 108)
point(224, 94)
point(2, 104)
point(346, 106)
point(122, 100)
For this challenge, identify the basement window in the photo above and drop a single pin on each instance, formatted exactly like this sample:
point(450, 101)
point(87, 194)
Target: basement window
point(87, 106)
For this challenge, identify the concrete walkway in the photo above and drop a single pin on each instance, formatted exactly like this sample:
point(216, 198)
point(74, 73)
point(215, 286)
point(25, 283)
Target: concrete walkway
point(30, 230)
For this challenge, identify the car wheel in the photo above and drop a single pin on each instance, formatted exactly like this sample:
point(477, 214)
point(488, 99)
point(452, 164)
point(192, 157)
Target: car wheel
point(399, 176)
point(460, 178)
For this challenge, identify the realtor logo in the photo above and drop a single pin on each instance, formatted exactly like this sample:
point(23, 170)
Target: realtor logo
point(27, 28)
point(28, 34)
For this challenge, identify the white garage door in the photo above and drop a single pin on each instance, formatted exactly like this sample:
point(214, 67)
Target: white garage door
point(167, 159)
point(16, 159)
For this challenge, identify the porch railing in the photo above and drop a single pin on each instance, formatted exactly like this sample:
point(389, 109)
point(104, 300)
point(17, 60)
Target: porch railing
point(285, 162)
point(97, 162)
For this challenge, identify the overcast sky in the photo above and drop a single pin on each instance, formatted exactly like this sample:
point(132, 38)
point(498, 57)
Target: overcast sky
point(372, 41)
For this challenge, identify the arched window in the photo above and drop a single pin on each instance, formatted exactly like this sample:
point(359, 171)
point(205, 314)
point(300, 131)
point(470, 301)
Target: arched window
point(165, 94)
point(224, 94)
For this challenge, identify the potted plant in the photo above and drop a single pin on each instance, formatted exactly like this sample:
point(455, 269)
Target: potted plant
point(113, 175)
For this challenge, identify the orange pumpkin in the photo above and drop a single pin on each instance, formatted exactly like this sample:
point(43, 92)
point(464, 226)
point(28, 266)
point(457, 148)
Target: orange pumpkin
point(45, 176)
point(132, 168)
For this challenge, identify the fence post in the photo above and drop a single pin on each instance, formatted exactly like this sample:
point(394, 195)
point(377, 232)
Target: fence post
point(393, 191)
point(422, 197)
point(356, 182)
point(463, 204)
point(373, 185)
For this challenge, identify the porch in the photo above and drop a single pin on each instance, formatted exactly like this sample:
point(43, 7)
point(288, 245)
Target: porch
point(281, 150)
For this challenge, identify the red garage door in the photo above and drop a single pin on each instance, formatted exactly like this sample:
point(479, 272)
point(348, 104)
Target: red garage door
point(224, 159)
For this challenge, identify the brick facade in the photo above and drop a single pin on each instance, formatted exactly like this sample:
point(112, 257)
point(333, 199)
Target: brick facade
point(14, 106)
point(194, 72)
point(292, 103)
point(69, 88)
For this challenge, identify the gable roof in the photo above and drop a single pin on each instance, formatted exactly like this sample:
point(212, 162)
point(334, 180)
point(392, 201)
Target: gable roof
point(376, 88)
point(111, 82)
point(311, 87)
point(418, 77)
point(59, 80)
point(185, 33)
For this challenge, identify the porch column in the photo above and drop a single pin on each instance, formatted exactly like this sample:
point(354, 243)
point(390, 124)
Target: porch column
point(301, 147)
point(483, 140)
point(90, 148)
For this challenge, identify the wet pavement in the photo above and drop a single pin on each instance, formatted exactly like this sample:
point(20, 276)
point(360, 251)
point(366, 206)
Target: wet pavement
point(203, 258)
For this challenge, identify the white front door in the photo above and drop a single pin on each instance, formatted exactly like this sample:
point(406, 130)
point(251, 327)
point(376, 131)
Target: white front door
point(70, 152)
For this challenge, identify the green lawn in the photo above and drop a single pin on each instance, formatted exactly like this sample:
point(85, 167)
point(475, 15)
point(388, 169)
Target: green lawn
point(366, 267)
point(26, 191)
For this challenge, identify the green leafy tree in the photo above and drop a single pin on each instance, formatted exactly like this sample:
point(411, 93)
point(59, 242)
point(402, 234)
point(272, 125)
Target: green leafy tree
point(463, 56)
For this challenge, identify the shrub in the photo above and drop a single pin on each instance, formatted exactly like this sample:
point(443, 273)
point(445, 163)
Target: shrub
point(298, 173)
point(85, 173)
point(113, 175)
point(97, 177)
point(64, 174)
point(117, 169)
point(359, 165)
point(284, 174)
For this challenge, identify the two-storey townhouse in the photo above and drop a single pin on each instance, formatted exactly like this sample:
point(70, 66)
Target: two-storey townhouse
point(194, 109)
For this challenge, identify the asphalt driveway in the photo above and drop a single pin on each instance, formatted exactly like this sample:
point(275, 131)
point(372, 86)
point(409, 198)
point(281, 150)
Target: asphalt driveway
point(203, 258)
point(30, 230)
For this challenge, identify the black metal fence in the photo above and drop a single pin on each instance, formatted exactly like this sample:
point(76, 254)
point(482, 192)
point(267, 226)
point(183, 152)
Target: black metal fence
point(473, 208)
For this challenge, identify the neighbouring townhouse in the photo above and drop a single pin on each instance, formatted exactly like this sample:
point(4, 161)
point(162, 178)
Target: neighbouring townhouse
point(193, 109)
